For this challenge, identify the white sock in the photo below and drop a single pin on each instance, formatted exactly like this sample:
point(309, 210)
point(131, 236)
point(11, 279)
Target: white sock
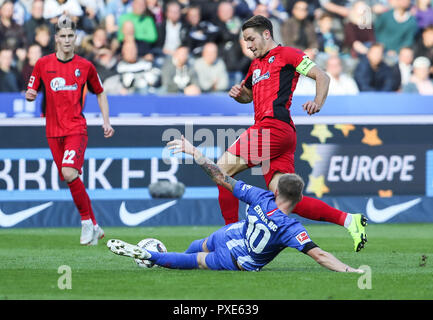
point(348, 220)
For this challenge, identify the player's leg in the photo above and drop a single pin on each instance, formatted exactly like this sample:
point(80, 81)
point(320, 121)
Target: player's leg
point(218, 259)
point(196, 246)
point(208, 244)
point(241, 155)
point(282, 160)
point(312, 208)
point(172, 260)
point(75, 148)
point(229, 204)
point(72, 162)
point(315, 209)
point(282, 147)
point(208, 253)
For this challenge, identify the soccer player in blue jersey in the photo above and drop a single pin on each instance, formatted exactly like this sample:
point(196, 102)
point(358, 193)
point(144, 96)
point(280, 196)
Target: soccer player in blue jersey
point(246, 245)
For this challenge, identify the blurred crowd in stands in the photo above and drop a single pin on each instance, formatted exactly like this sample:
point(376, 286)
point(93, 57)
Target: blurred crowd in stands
point(196, 46)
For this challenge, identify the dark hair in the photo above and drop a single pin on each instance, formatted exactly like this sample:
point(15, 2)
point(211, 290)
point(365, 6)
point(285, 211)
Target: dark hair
point(428, 28)
point(65, 22)
point(259, 23)
point(290, 187)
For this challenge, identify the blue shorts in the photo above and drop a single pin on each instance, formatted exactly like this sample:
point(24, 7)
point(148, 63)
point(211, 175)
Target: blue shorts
point(219, 257)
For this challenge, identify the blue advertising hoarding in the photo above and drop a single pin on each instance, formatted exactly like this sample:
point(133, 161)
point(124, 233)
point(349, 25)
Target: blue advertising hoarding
point(363, 104)
point(384, 171)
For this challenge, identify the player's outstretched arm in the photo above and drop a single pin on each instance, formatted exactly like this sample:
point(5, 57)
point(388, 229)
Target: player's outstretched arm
point(210, 167)
point(327, 260)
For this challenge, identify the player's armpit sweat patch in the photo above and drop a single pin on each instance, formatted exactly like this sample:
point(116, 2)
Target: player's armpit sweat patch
point(305, 66)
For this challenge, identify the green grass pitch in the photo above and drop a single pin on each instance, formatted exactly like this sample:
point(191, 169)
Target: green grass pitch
point(30, 260)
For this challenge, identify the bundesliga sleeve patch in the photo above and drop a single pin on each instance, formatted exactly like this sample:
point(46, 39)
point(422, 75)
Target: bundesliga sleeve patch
point(305, 66)
point(303, 237)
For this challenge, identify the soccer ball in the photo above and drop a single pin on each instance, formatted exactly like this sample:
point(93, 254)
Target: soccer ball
point(152, 245)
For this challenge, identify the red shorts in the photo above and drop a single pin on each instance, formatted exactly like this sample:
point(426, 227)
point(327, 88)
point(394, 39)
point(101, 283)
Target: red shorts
point(270, 143)
point(68, 151)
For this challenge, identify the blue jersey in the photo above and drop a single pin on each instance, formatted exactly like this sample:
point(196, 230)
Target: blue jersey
point(258, 239)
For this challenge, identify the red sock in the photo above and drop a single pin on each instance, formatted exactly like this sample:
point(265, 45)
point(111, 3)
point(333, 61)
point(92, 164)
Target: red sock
point(81, 199)
point(92, 215)
point(315, 209)
point(229, 205)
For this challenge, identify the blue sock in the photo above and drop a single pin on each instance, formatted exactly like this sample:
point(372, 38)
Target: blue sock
point(195, 246)
point(175, 260)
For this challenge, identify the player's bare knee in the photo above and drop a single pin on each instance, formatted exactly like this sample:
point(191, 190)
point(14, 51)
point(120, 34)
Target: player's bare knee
point(231, 164)
point(70, 174)
point(201, 260)
point(224, 165)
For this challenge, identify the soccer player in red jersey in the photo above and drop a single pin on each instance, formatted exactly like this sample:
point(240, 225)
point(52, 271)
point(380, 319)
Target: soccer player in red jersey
point(63, 77)
point(271, 141)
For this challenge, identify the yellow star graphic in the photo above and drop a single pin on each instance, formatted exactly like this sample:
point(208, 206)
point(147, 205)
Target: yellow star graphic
point(345, 128)
point(321, 132)
point(317, 185)
point(310, 154)
point(385, 193)
point(371, 138)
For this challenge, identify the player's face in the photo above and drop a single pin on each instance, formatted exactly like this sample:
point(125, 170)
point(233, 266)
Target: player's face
point(255, 42)
point(65, 40)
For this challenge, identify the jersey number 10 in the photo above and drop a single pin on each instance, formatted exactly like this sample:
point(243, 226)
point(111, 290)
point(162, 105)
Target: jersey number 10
point(254, 231)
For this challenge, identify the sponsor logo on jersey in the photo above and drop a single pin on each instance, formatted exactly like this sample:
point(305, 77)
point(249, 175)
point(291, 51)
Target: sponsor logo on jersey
point(303, 237)
point(257, 76)
point(59, 84)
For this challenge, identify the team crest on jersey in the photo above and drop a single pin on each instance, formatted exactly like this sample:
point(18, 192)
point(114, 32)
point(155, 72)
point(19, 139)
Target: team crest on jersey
point(257, 76)
point(77, 73)
point(59, 84)
point(271, 59)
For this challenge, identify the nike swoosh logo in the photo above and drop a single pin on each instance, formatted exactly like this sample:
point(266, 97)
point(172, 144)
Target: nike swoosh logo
point(385, 214)
point(9, 220)
point(133, 219)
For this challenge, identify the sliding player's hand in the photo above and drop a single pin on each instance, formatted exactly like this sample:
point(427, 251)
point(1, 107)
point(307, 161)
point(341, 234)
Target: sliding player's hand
point(108, 130)
point(181, 145)
point(311, 107)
